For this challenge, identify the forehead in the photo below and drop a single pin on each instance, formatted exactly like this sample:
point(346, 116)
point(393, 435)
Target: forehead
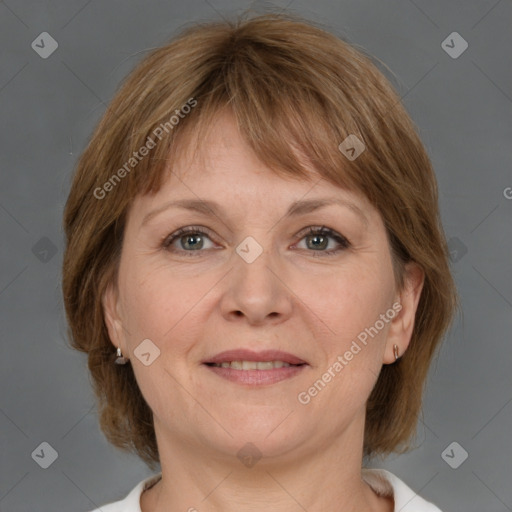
point(222, 167)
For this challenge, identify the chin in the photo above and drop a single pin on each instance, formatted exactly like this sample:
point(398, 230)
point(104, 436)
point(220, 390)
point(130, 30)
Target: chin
point(268, 434)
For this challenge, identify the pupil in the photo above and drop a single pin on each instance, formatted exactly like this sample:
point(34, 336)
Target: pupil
point(317, 237)
point(192, 237)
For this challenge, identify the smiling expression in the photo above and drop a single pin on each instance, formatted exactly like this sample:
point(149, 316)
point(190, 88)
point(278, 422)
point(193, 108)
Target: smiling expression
point(321, 272)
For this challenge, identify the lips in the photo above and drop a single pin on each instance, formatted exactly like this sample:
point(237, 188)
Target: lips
point(255, 369)
point(249, 355)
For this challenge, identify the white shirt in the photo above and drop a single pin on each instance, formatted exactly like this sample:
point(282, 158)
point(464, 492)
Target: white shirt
point(383, 482)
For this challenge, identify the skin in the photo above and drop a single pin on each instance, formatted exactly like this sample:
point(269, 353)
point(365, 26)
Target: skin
point(293, 298)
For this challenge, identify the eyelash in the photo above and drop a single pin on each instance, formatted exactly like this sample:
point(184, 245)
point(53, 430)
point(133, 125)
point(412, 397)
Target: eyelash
point(311, 231)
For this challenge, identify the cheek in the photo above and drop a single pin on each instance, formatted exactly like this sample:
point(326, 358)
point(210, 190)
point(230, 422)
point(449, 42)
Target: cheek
point(353, 341)
point(349, 300)
point(163, 306)
point(164, 309)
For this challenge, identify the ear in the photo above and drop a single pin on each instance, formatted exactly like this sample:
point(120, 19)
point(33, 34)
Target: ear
point(113, 320)
point(400, 330)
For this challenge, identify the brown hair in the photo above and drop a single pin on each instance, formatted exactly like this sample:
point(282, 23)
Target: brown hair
point(291, 86)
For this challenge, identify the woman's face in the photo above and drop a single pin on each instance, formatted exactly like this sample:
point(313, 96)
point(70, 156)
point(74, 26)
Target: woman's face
point(258, 280)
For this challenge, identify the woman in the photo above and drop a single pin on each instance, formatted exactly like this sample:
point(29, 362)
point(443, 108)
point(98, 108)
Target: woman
point(253, 236)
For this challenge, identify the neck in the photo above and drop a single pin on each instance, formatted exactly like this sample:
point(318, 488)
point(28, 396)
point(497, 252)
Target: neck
point(323, 479)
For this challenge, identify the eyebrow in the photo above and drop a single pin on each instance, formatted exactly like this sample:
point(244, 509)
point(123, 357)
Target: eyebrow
point(296, 209)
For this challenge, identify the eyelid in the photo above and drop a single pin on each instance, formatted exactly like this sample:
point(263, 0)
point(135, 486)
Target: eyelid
point(322, 230)
point(310, 230)
point(168, 239)
point(343, 241)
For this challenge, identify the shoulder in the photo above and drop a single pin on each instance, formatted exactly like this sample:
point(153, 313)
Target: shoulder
point(385, 483)
point(131, 503)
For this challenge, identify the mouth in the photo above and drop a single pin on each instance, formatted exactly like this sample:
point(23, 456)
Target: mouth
point(255, 368)
point(253, 365)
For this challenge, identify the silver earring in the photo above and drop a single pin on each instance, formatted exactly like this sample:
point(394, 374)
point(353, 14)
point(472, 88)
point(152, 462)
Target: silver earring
point(395, 351)
point(120, 359)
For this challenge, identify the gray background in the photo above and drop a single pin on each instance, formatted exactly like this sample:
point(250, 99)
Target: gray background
point(48, 108)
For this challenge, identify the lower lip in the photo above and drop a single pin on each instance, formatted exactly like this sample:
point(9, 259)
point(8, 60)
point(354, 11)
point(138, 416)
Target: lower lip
point(257, 377)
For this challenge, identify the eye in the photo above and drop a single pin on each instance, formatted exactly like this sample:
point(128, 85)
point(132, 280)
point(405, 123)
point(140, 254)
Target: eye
point(187, 240)
point(191, 239)
point(317, 239)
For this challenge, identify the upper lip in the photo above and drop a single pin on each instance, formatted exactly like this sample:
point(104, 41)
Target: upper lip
point(250, 355)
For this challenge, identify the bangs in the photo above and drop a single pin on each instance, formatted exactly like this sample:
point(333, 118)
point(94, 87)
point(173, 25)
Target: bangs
point(292, 120)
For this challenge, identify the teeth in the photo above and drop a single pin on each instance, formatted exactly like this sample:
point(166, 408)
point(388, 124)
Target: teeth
point(252, 365)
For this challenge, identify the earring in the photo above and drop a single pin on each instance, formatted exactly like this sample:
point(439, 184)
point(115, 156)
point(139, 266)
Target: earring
point(395, 352)
point(120, 359)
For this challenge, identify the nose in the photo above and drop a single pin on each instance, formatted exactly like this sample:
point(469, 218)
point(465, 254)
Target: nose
point(256, 292)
